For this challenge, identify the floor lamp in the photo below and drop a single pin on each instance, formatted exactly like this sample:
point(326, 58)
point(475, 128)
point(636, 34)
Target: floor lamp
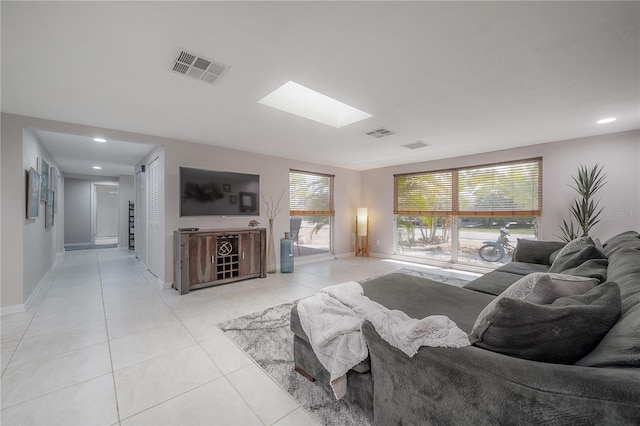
point(362, 232)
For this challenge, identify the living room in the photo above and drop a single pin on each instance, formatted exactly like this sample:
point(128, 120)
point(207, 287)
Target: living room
point(556, 120)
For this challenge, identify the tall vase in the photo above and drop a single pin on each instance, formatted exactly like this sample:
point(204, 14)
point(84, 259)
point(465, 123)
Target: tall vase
point(271, 251)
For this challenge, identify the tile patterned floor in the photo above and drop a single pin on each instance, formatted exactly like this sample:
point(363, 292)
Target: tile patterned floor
point(103, 345)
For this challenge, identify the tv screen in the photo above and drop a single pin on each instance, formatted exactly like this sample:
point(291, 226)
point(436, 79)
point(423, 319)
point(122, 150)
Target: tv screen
point(211, 193)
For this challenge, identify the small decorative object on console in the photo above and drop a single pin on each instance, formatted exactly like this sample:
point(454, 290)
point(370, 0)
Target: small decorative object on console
point(253, 223)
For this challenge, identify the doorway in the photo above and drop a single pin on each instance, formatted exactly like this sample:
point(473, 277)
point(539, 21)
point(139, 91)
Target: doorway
point(105, 214)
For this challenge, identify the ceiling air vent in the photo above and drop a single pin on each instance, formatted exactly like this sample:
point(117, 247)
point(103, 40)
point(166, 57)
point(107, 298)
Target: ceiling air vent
point(198, 67)
point(380, 133)
point(416, 145)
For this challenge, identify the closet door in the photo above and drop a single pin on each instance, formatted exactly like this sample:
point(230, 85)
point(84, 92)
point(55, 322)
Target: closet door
point(153, 222)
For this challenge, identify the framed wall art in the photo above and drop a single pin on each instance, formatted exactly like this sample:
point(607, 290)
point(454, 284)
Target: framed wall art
point(55, 178)
point(33, 193)
point(48, 212)
point(44, 180)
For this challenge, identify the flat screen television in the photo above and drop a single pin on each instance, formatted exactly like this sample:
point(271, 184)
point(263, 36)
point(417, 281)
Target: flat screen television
point(213, 193)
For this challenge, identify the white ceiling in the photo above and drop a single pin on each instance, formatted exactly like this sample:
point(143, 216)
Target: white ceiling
point(78, 154)
point(464, 77)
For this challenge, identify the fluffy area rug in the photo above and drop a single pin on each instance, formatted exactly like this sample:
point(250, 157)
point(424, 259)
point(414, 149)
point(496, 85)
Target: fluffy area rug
point(265, 336)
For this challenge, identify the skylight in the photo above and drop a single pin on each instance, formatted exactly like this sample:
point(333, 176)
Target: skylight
point(296, 99)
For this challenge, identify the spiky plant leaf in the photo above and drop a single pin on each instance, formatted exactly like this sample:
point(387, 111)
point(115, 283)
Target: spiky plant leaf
point(585, 209)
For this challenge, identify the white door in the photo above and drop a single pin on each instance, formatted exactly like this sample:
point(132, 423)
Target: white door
point(141, 216)
point(153, 222)
point(104, 210)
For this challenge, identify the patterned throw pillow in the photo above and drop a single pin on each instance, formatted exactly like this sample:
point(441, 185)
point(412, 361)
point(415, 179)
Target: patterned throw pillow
point(561, 332)
point(576, 245)
point(540, 288)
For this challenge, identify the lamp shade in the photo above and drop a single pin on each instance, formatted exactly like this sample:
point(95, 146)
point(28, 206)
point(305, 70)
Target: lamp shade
point(362, 216)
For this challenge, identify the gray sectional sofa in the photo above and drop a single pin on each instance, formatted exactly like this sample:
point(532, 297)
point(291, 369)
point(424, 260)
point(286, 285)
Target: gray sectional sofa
point(593, 379)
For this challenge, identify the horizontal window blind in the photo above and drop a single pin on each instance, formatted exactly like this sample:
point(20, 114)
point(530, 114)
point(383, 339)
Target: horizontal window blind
point(310, 194)
point(504, 189)
point(508, 189)
point(424, 194)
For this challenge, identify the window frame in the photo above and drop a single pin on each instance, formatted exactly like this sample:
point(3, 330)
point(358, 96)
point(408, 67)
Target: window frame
point(455, 192)
point(328, 211)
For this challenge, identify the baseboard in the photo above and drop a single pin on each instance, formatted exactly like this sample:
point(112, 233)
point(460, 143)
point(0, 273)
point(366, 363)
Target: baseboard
point(41, 284)
point(344, 255)
point(13, 309)
point(77, 244)
point(164, 285)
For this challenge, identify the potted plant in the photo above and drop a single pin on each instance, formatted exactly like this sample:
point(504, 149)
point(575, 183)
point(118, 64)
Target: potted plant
point(584, 209)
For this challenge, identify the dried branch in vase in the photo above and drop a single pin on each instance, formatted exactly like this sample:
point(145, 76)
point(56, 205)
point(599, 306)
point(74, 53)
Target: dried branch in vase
point(273, 206)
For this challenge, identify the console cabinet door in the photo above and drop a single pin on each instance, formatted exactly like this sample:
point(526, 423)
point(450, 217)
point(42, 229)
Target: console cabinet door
point(250, 249)
point(202, 251)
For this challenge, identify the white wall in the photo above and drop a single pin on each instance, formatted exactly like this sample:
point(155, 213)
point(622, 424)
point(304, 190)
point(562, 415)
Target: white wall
point(77, 216)
point(274, 178)
point(40, 244)
point(619, 153)
point(77, 213)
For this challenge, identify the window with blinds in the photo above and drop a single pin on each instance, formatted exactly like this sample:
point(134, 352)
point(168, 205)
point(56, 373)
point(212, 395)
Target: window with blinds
point(424, 194)
point(504, 189)
point(310, 194)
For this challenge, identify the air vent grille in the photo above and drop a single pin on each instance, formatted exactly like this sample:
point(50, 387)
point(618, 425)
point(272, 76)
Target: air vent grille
point(196, 66)
point(380, 133)
point(416, 145)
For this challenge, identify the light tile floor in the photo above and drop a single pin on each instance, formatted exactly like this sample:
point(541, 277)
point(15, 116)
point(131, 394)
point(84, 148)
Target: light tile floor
point(103, 345)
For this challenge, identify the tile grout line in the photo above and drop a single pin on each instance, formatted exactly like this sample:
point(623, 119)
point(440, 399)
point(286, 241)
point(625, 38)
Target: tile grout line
point(104, 313)
point(224, 375)
point(49, 286)
point(56, 390)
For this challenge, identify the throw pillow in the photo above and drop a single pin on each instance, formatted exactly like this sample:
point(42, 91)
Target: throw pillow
point(575, 257)
point(576, 245)
point(532, 251)
point(540, 288)
point(561, 332)
point(621, 241)
point(553, 256)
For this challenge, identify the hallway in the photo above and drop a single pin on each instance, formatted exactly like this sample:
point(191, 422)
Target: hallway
point(103, 345)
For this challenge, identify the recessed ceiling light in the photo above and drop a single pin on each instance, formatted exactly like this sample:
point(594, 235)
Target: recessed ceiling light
point(99, 140)
point(606, 120)
point(97, 167)
point(296, 99)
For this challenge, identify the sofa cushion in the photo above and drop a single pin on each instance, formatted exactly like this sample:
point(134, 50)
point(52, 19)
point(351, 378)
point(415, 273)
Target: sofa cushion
point(532, 251)
point(629, 239)
point(420, 297)
point(621, 345)
point(539, 288)
point(592, 268)
point(575, 256)
point(493, 283)
point(522, 268)
point(560, 332)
